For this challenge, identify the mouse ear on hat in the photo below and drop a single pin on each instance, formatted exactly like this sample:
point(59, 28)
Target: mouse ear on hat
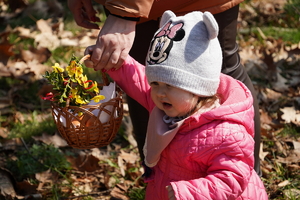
point(211, 25)
point(168, 14)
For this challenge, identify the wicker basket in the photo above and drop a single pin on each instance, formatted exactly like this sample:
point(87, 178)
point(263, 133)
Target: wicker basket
point(87, 130)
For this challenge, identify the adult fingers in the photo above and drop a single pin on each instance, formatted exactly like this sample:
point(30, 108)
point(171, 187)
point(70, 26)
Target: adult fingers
point(117, 59)
point(89, 63)
point(90, 11)
point(112, 50)
point(82, 20)
point(97, 56)
point(82, 11)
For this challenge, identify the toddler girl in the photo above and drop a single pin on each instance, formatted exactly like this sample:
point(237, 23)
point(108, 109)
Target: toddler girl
point(199, 142)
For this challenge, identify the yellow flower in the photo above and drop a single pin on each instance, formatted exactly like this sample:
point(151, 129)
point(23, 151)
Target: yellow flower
point(98, 98)
point(78, 72)
point(77, 97)
point(70, 83)
point(79, 100)
point(72, 70)
point(96, 89)
point(57, 68)
point(74, 92)
point(83, 81)
point(80, 114)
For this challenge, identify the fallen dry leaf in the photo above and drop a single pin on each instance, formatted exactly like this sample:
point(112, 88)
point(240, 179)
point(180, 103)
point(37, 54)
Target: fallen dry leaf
point(41, 55)
point(47, 40)
point(296, 145)
point(289, 160)
point(129, 157)
point(56, 140)
point(292, 193)
point(3, 132)
point(290, 115)
point(262, 154)
point(270, 96)
point(118, 193)
point(5, 52)
point(86, 162)
point(284, 183)
point(43, 26)
point(280, 83)
point(46, 176)
point(26, 188)
point(7, 188)
point(24, 32)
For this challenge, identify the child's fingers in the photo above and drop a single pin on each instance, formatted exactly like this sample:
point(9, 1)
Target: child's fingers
point(171, 194)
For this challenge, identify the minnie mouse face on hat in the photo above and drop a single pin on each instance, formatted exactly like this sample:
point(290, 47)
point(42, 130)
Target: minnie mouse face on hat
point(162, 42)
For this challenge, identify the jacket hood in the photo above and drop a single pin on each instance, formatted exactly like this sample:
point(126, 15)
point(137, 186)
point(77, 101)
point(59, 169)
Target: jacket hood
point(236, 105)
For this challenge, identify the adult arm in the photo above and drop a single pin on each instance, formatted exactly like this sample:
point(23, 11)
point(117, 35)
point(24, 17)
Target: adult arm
point(128, 8)
point(117, 34)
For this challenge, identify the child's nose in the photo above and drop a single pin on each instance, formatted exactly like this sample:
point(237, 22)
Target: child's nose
point(161, 92)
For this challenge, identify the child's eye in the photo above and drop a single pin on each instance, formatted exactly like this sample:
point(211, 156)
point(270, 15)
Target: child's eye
point(169, 85)
point(154, 83)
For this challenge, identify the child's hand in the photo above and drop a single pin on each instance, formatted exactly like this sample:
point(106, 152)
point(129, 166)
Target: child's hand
point(171, 194)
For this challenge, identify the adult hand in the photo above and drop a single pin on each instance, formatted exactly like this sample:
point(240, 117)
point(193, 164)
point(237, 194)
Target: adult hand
point(84, 13)
point(171, 194)
point(113, 44)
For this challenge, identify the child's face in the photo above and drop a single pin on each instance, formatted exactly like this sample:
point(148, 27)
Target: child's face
point(173, 101)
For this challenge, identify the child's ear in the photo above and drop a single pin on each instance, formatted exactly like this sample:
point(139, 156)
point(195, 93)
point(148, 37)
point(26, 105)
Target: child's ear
point(211, 25)
point(166, 17)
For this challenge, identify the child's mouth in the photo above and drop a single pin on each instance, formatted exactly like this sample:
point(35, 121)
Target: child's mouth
point(166, 105)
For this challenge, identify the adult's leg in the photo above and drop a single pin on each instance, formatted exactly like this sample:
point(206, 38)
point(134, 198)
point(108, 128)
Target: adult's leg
point(227, 22)
point(138, 114)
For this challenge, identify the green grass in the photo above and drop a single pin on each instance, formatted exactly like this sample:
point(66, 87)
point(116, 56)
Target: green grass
point(290, 131)
point(32, 127)
point(7, 83)
point(290, 35)
point(292, 10)
point(280, 171)
point(137, 193)
point(282, 25)
point(39, 159)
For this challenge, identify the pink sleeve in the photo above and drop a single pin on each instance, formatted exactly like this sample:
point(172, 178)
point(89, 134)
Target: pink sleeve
point(132, 79)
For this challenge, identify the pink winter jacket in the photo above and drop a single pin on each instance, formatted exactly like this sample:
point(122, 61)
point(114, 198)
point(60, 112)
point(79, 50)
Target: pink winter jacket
point(211, 156)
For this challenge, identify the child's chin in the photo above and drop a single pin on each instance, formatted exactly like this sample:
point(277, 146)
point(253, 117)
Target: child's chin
point(170, 114)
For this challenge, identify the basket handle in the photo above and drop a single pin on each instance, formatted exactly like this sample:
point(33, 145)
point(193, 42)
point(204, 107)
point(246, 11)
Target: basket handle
point(104, 75)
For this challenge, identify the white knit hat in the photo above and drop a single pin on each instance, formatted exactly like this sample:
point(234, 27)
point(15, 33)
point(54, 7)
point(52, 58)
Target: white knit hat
point(186, 53)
